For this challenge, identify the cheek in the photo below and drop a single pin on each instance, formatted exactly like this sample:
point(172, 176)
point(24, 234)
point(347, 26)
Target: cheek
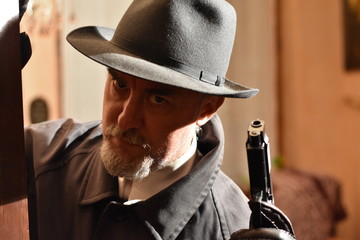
point(110, 111)
point(110, 115)
point(176, 120)
point(172, 128)
point(179, 138)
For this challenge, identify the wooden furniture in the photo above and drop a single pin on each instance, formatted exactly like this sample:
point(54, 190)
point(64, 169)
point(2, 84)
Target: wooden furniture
point(14, 223)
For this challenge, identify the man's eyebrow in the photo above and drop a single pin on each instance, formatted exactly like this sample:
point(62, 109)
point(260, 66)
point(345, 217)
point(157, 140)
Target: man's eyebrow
point(160, 91)
point(111, 71)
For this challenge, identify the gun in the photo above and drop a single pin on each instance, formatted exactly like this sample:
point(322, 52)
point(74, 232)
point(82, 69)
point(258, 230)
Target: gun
point(264, 212)
point(258, 153)
point(266, 220)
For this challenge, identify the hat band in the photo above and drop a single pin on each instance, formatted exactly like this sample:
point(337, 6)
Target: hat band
point(170, 63)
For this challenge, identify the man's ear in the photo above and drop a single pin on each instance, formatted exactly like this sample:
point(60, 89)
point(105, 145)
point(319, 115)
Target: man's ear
point(209, 107)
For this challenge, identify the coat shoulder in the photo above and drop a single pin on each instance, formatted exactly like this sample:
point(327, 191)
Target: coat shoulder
point(45, 142)
point(231, 204)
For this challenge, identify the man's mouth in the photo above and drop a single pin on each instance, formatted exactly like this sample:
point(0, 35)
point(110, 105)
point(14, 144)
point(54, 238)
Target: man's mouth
point(128, 138)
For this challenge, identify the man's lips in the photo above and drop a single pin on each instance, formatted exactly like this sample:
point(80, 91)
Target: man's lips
point(124, 143)
point(124, 138)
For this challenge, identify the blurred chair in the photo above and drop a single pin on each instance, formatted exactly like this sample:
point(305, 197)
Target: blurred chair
point(312, 201)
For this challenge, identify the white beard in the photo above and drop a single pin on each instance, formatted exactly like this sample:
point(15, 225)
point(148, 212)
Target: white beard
point(121, 164)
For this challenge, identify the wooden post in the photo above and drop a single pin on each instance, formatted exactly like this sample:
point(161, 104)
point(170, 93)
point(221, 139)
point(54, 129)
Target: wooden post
point(14, 223)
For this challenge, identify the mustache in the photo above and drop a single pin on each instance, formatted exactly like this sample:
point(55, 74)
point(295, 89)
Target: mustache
point(129, 136)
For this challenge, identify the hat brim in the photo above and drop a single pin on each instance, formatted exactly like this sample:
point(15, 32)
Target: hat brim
point(94, 42)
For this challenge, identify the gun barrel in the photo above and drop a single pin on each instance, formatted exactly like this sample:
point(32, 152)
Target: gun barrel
point(259, 162)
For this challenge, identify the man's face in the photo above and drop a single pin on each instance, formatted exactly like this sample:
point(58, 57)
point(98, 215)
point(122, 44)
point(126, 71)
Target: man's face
point(146, 125)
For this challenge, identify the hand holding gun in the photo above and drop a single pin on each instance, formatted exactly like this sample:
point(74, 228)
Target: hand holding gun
point(266, 221)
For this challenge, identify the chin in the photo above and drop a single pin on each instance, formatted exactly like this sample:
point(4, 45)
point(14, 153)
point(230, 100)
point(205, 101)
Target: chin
point(122, 165)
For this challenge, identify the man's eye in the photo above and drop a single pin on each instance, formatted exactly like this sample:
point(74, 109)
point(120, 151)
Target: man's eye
point(119, 84)
point(158, 99)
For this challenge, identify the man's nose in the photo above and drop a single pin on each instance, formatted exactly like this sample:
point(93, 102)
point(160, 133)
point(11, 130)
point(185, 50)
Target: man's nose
point(132, 114)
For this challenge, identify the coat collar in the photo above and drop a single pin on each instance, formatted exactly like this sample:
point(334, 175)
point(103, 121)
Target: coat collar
point(168, 211)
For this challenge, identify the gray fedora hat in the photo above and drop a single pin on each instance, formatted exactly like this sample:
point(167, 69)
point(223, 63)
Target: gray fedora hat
point(183, 43)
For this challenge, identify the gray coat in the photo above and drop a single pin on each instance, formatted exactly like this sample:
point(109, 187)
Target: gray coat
point(77, 198)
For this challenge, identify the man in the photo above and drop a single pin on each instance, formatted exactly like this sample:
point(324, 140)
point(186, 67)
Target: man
point(151, 169)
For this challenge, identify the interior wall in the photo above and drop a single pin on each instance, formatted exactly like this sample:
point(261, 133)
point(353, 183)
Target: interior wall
point(83, 80)
point(253, 64)
point(41, 75)
point(320, 99)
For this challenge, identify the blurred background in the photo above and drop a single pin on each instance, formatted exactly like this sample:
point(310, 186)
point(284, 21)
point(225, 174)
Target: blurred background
point(303, 55)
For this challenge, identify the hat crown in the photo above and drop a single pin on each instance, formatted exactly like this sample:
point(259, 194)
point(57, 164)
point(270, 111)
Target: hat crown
point(182, 43)
point(196, 33)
